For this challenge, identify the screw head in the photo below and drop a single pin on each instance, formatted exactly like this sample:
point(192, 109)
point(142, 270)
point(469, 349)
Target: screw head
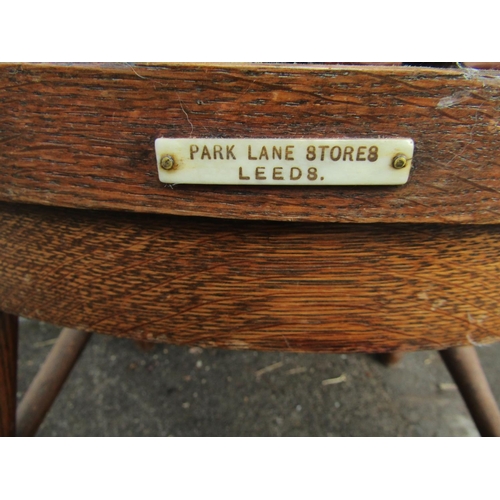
point(399, 161)
point(167, 162)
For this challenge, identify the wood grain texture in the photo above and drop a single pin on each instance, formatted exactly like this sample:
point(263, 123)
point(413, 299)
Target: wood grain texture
point(252, 285)
point(83, 136)
point(8, 373)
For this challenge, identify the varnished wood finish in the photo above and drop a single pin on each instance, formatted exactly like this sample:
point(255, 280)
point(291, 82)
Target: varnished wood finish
point(83, 136)
point(259, 285)
point(8, 373)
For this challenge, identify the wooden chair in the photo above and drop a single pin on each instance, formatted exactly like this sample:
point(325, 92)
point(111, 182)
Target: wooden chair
point(90, 239)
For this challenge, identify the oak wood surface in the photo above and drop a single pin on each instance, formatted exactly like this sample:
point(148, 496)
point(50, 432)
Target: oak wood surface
point(252, 284)
point(8, 373)
point(83, 136)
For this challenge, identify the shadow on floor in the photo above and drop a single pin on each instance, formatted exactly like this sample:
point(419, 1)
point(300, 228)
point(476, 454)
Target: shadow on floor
point(117, 389)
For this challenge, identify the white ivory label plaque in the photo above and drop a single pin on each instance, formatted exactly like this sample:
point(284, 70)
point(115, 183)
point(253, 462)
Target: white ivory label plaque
point(279, 162)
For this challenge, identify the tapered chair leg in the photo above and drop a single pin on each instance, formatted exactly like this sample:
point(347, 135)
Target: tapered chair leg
point(8, 373)
point(465, 367)
point(390, 358)
point(144, 346)
point(49, 380)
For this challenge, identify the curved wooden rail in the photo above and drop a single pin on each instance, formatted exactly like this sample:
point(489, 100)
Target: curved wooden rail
point(83, 136)
point(259, 285)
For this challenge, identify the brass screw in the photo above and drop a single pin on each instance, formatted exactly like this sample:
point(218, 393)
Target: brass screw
point(167, 162)
point(399, 161)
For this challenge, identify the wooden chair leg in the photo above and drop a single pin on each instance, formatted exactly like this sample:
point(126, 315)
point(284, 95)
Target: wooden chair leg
point(143, 345)
point(465, 367)
point(390, 358)
point(48, 381)
point(8, 373)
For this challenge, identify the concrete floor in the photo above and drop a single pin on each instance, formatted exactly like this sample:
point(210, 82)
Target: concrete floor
point(117, 389)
